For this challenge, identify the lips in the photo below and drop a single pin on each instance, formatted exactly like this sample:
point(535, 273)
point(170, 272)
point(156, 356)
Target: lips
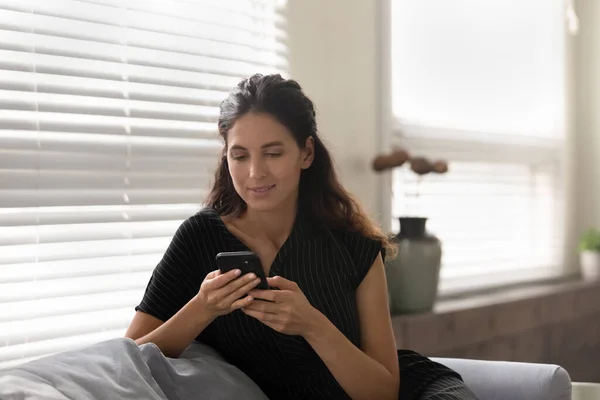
point(261, 189)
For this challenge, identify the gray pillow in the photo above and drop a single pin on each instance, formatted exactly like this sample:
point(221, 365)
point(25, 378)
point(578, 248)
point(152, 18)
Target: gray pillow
point(119, 369)
point(199, 373)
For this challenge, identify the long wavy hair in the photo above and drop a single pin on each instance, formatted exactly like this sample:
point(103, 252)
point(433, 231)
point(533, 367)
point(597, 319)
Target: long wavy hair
point(321, 195)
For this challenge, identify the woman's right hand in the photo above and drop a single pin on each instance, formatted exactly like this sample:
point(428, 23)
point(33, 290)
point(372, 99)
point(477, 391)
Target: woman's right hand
point(221, 294)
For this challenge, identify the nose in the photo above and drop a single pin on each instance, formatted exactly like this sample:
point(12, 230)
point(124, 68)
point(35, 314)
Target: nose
point(258, 169)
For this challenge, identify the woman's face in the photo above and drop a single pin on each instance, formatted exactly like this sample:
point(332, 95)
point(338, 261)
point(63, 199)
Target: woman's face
point(265, 162)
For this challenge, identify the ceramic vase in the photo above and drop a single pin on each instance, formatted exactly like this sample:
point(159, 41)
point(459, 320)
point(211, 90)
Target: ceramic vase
point(413, 275)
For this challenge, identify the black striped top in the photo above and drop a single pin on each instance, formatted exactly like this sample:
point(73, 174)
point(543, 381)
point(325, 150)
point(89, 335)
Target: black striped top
point(327, 265)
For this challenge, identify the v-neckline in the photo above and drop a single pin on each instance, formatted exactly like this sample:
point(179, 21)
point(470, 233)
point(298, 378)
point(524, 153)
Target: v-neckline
point(276, 266)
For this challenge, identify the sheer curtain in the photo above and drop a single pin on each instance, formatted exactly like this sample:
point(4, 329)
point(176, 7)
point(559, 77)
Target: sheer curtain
point(107, 142)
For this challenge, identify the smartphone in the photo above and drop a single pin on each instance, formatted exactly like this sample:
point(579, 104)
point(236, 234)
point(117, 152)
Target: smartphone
point(245, 261)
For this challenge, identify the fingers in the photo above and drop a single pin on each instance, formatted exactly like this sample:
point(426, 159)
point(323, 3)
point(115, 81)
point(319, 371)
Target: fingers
point(282, 283)
point(221, 280)
point(239, 283)
point(247, 284)
point(241, 303)
point(269, 295)
point(261, 316)
point(264, 307)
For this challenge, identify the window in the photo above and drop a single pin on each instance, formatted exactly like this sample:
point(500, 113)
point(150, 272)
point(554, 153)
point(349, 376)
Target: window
point(481, 85)
point(107, 142)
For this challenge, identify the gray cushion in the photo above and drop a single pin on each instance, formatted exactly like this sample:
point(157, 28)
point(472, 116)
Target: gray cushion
point(502, 380)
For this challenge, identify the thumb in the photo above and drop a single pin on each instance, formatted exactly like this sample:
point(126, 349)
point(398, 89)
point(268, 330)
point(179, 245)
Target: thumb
point(282, 283)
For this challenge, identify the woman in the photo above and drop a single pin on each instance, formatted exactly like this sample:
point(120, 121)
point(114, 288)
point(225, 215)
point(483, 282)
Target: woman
point(326, 331)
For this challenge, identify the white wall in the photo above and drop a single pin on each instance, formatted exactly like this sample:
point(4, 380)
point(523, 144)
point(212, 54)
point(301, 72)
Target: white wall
point(335, 58)
point(587, 114)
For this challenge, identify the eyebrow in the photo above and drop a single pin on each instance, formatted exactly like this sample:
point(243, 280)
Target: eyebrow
point(264, 146)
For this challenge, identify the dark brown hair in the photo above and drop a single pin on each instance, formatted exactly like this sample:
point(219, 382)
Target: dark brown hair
point(321, 195)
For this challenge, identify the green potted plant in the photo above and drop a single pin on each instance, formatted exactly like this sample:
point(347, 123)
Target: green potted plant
point(589, 254)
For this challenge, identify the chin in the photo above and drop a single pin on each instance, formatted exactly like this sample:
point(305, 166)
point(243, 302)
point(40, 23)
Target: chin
point(266, 204)
point(262, 206)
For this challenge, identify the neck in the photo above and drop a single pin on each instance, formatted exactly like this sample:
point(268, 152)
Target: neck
point(276, 224)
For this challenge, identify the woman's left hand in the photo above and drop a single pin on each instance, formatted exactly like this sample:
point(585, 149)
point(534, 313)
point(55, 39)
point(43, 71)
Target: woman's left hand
point(286, 310)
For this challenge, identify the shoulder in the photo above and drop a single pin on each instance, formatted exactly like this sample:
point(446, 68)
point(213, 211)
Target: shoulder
point(206, 218)
point(358, 244)
point(360, 252)
point(205, 222)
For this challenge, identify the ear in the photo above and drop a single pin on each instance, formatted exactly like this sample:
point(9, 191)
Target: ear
point(308, 152)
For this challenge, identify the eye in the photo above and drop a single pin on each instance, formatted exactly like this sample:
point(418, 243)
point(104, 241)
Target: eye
point(239, 157)
point(274, 155)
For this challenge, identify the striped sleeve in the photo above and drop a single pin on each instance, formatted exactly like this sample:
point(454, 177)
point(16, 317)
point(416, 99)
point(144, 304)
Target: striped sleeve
point(363, 251)
point(175, 279)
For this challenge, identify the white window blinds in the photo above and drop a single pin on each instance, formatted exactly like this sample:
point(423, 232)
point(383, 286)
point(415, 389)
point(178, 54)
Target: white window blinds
point(481, 84)
point(107, 142)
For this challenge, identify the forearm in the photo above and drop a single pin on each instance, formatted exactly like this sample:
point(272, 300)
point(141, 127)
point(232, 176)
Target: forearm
point(179, 331)
point(361, 376)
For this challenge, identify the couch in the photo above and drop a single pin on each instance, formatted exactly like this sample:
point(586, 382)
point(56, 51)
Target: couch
point(121, 369)
point(502, 380)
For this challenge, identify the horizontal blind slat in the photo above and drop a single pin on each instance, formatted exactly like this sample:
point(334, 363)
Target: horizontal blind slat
point(222, 10)
point(61, 103)
point(78, 267)
point(261, 51)
point(50, 50)
point(119, 180)
point(63, 122)
point(77, 286)
point(27, 80)
point(85, 232)
point(56, 165)
point(115, 71)
point(85, 142)
point(28, 253)
point(89, 197)
point(34, 330)
point(14, 355)
point(30, 309)
point(94, 214)
point(185, 24)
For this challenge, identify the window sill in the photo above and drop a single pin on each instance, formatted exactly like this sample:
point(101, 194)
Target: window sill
point(504, 285)
point(502, 282)
point(556, 322)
